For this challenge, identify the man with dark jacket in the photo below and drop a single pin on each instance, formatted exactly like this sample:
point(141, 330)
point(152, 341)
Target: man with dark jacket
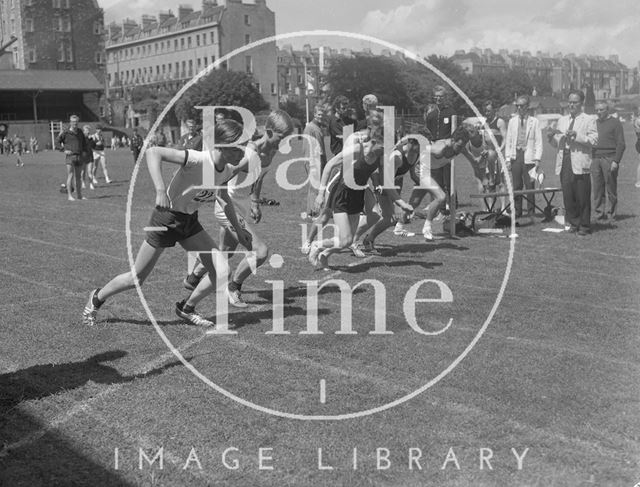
point(74, 144)
point(607, 155)
point(438, 120)
point(136, 145)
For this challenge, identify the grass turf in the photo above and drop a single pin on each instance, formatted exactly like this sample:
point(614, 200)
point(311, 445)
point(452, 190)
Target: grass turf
point(555, 372)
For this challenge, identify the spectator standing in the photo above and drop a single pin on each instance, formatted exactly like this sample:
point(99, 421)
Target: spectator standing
point(315, 152)
point(161, 139)
point(136, 144)
point(6, 146)
point(636, 127)
point(18, 150)
point(339, 120)
point(73, 142)
point(192, 139)
point(87, 160)
point(523, 151)
point(33, 143)
point(575, 138)
point(438, 120)
point(99, 158)
point(607, 155)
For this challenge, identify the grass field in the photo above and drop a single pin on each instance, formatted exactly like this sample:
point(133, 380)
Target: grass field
point(553, 380)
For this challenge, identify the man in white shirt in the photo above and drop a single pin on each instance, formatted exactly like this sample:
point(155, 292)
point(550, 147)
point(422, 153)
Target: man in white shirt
point(523, 151)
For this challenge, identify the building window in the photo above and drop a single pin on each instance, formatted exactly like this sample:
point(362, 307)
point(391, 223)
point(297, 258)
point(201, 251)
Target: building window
point(299, 79)
point(32, 55)
point(182, 43)
point(99, 58)
point(69, 54)
point(248, 64)
point(97, 28)
point(273, 88)
point(204, 60)
point(199, 64)
point(28, 25)
point(189, 41)
point(175, 44)
point(247, 19)
point(247, 39)
point(198, 40)
point(61, 53)
point(213, 37)
point(156, 47)
point(190, 67)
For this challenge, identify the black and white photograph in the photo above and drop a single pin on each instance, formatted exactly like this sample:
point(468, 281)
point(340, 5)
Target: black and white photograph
point(319, 243)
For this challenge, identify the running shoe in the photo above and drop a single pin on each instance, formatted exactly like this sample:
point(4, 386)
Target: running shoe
point(368, 246)
point(404, 233)
point(305, 248)
point(235, 299)
point(356, 250)
point(95, 181)
point(91, 186)
point(192, 318)
point(314, 252)
point(323, 262)
point(90, 311)
point(426, 231)
point(191, 281)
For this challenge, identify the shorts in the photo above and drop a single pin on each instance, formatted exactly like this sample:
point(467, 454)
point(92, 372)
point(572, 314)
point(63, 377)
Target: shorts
point(180, 226)
point(74, 160)
point(347, 200)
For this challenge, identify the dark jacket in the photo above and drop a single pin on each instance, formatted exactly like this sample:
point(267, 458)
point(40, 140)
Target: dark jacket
point(73, 141)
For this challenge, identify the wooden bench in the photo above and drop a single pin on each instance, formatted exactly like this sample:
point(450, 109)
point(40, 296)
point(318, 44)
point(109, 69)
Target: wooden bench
point(490, 200)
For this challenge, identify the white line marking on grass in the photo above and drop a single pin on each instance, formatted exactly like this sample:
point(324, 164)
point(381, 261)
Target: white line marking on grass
point(68, 223)
point(85, 405)
point(155, 229)
point(60, 246)
point(51, 287)
point(323, 391)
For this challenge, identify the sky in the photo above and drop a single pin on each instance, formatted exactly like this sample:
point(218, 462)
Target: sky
point(443, 26)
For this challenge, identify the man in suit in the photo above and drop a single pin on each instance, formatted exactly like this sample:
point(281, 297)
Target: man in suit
point(523, 151)
point(575, 138)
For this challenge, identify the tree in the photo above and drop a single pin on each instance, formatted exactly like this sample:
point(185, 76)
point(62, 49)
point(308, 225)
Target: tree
point(220, 87)
point(361, 75)
point(294, 110)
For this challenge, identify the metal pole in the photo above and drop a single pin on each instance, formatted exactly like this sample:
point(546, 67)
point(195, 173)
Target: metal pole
point(452, 185)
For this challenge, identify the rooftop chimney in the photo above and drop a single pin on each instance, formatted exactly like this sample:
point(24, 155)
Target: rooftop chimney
point(147, 20)
point(184, 10)
point(164, 15)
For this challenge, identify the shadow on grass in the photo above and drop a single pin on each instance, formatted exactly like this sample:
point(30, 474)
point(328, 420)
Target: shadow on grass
point(421, 248)
point(47, 458)
point(40, 381)
point(367, 266)
point(243, 318)
point(106, 196)
point(301, 291)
